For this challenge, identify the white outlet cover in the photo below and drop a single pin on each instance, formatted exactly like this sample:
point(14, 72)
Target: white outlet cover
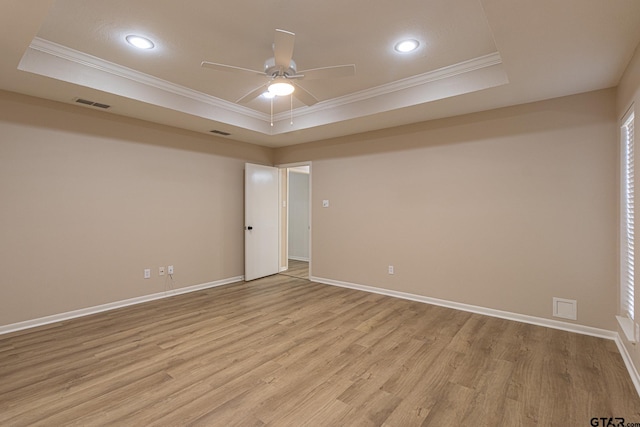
point(147, 273)
point(325, 203)
point(170, 269)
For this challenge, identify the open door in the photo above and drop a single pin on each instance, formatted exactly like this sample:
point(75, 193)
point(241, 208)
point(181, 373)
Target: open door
point(261, 221)
point(295, 219)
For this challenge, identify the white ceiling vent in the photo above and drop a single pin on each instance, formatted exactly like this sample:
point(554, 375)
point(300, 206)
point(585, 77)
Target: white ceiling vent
point(92, 103)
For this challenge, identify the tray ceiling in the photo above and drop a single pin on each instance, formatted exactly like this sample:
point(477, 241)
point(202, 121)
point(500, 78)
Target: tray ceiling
point(473, 55)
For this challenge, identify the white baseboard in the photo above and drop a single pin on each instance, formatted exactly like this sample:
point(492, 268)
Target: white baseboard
point(299, 258)
point(555, 324)
point(539, 321)
point(113, 305)
point(626, 357)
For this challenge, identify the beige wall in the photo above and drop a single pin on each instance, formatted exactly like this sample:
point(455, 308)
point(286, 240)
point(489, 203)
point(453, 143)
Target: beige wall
point(502, 209)
point(628, 94)
point(91, 199)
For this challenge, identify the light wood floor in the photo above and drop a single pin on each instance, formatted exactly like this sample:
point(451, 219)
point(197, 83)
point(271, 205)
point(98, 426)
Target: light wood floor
point(298, 269)
point(282, 351)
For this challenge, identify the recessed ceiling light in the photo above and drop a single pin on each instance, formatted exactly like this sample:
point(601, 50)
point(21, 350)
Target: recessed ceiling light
point(140, 42)
point(407, 46)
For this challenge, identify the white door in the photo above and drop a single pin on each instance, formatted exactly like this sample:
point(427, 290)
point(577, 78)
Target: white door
point(261, 231)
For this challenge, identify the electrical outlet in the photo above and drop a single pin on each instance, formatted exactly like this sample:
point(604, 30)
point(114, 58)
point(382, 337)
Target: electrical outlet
point(161, 271)
point(391, 269)
point(170, 269)
point(147, 273)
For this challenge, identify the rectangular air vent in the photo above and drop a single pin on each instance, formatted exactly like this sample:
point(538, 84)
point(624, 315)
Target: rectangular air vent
point(565, 308)
point(219, 132)
point(92, 103)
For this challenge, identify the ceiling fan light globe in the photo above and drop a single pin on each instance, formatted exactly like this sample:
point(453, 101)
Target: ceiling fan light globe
point(280, 88)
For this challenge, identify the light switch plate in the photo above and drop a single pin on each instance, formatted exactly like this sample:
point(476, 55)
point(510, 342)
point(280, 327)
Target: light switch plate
point(325, 203)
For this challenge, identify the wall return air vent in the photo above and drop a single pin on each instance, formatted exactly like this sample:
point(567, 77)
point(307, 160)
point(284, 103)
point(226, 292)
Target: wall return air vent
point(92, 103)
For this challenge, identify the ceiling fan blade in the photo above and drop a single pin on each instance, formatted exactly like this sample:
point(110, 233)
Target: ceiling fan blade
point(229, 68)
point(329, 72)
point(253, 94)
point(283, 48)
point(304, 96)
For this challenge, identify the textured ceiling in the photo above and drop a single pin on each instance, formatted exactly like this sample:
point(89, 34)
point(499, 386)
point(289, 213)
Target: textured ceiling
point(474, 55)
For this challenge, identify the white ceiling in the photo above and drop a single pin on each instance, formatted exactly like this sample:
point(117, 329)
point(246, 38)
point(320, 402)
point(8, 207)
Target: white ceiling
point(474, 55)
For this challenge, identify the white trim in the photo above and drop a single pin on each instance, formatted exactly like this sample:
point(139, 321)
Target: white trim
point(84, 59)
point(446, 72)
point(626, 324)
point(539, 321)
point(570, 327)
point(310, 215)
point(281, 241)
point(286, 252)
point(299, 169)
point(626, 358)
point(299, 258)
point(113, 305)
point(627, 214)
point(292, 165)
point(53, 60)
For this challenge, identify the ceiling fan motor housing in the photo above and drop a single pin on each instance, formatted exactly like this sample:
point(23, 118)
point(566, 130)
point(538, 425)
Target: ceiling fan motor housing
point(270, 69)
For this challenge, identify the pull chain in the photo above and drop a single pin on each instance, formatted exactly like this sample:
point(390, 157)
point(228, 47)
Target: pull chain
point(271, 112)
point(291, 97)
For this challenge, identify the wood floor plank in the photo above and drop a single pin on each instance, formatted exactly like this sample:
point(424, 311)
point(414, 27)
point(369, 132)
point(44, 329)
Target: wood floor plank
point(332, 413)
point(298, 269)
point(284, 351)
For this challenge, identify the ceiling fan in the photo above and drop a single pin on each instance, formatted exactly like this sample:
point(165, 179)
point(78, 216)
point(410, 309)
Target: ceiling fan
point(282, 73)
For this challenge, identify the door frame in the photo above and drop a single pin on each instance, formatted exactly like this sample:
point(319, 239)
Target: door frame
point(286, 166)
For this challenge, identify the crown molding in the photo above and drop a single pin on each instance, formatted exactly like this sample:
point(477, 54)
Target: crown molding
point(407, 83)
point(467, 76)
point(84, 59)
